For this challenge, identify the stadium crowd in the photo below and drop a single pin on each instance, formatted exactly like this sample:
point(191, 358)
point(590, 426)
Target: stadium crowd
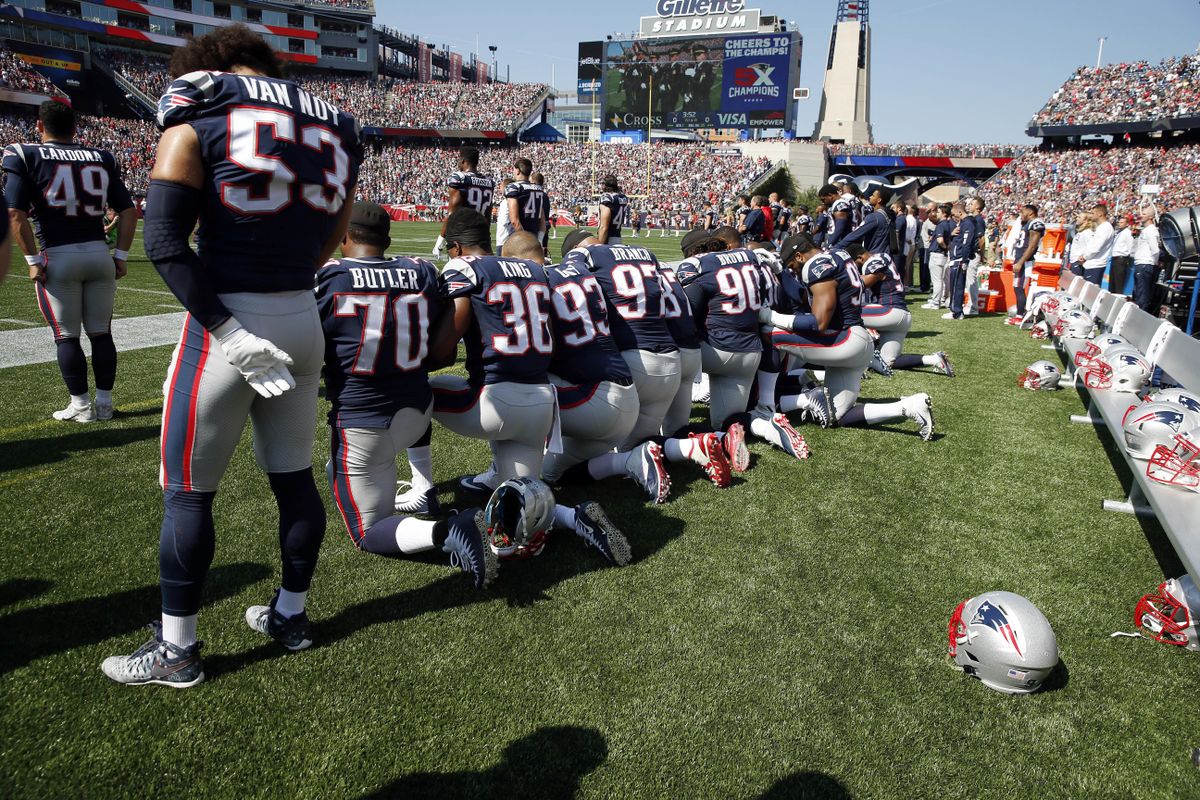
point(17, 75)
point(1064, 182)
point(930, 150)
point(132, 141)
point(1118, 93)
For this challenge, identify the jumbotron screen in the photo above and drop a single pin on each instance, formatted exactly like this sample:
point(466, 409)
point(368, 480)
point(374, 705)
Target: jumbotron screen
point(742, 81)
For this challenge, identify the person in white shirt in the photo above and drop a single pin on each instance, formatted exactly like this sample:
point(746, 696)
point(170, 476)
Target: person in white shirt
point(1145, 262)
point(1122, 255)
point(927, 226)
point(911, 226)
point(1079, 242)
point(504, 228)
point(1099, 247)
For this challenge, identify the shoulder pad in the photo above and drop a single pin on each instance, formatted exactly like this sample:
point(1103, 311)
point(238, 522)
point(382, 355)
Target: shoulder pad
point(186, 95)
point(819, 268)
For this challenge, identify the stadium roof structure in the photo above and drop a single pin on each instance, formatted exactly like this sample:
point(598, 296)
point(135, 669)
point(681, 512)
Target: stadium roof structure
point(1114, 128)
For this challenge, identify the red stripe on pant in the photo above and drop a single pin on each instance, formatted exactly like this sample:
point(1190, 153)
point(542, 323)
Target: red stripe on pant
point(341, 485)
point(47, 309)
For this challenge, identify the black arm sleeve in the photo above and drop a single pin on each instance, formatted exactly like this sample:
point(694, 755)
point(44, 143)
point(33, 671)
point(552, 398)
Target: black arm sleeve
point(171, 211)
point(699, 304)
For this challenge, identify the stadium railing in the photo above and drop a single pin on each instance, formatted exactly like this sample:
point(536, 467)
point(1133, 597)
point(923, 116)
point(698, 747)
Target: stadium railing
point(1176, 356)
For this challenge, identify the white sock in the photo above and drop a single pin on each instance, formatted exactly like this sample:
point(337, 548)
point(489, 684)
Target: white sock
point(875, 413)
point(766, 388)
point(290, 604)
point(931, 361)
point(420, 460)
point(104, 397)
point(564, 517)
point(764, 430)
point(792, 402)
point(81, 400)
point(608, 465)
point(415, 535)
point(676, 450)
point(179, 631)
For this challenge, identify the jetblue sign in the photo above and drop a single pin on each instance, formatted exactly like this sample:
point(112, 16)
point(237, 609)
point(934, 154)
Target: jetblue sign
point(700, 17)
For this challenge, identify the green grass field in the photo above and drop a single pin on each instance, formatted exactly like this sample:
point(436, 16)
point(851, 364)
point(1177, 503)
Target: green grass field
point(785, 637)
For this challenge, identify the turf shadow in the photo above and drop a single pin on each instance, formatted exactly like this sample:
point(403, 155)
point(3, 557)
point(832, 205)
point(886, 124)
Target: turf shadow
point(26, 453)
point(548, 763)
point(18, 589)
point(56, 628)
point(807, 784)
point(1058, 678)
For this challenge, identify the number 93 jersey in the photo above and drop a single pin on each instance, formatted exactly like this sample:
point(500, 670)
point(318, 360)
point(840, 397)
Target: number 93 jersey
point(838, 266)
point(279, 165)
point(376, 314)
point(509, 339)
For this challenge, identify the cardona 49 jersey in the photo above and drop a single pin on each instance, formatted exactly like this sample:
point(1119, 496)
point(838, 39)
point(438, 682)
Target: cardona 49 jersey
point(476, 190)
point(839, 267)
point(376, 314)
point(280, 164)
point(509, 339)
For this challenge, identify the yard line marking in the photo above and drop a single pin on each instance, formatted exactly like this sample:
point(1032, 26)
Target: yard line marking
point(28, 476)
point(26, 323)
point(144, 291)
point(35, 346)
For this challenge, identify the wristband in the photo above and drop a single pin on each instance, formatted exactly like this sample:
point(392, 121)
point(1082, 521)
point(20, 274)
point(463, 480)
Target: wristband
point(35, 261)
point(227, 328)
point(121, 255)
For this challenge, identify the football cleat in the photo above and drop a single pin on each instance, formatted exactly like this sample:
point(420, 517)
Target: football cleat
point(709, 454)
point(471, 483)
point(944, 365)
point(416, 501)
point(877, 365)
point(645, 466)
point(790, 440)
point(595, 528)
point(294, 633)
point(735, 447)
point(74, 413)
point(467, 549)
point(104, 411)
point(919, 408)
point(157, 662)
point(820, 408)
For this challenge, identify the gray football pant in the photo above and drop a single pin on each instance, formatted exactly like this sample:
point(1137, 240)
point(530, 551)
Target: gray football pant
point(680, 410)
point(843, 363)
point(514, 418)
point(208, 400)
point(730, 376)
point(939, 293)
point(973, 284)
point(362, 468)
point(80, 289)
point(656, 376)
point(892, 328)
point(592, 428)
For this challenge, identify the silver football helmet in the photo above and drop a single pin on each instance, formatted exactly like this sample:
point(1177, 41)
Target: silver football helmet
point(1040, 330)
point(1121, 369)
point(1179, 397)
point(1177, 463)
point(1152, 424)
point(1003, 640)
point(1170, 614)
point(1058, 303)
point(1074, 325)
point(518, 516)
point(1098, 347)
point(1040, 376)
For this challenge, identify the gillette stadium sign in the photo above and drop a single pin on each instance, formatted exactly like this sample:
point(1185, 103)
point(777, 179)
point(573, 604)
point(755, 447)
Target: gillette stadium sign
point(700, 17)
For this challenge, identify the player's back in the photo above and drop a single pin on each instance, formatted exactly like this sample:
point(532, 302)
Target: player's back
point(376, 314)
point(279, 164)
point(837, 266)
point(65, 188)
point(476, 190)
point(584, 352)
point(509, 339)
point(730, 283)
point(890, 291)
point(531, 201)
point(618, 206)
point(636, 293)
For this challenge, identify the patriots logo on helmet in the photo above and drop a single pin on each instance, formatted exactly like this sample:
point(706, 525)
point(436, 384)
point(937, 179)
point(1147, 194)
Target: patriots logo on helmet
point(993, 616)
point(1172, 419)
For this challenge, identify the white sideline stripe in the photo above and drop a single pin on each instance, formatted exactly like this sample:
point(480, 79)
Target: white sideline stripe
point(24, 322)
point(143, 291)
point(36, 346)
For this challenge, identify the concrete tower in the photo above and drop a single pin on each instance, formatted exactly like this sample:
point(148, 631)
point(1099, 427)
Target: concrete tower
point(846, 99)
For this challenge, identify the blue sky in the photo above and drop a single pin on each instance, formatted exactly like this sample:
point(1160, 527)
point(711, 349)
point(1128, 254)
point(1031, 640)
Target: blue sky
point(943, 70)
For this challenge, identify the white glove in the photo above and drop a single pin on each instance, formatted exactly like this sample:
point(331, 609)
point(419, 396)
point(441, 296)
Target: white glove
point(439, 246)
point(764, 315)
point(262, 364)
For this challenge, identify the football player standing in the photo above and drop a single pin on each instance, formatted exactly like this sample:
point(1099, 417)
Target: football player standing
point(466, 187)
point(614, 212)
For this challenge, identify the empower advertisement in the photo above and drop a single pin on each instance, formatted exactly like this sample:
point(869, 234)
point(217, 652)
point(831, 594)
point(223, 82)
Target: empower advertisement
point(700, 82)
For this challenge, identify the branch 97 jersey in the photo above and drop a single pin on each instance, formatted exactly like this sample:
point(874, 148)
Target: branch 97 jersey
point(618, 204)
point(376, 314)
point(279, 165)
point(476, 190)
point(889, 292)
point(510, 338)
point(837, 266)
point(584, 352)
point(65, 188)
point(638, 294)
point(725, 294)
point(531, 204)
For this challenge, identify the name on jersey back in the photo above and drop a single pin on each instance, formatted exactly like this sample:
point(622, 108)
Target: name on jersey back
point(392, 278)
point(278, 93)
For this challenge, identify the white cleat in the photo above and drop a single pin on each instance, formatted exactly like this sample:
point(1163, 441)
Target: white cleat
point(74, 413)
point(919, 408)
point(645, 466)
point(104, 411)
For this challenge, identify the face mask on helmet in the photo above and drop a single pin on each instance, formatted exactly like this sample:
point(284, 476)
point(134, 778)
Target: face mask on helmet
point(1003, 640)
point(1169, 615)
point(1150, 425)
point(1177, 465)
point(1040, 376)
point(1121, 372)
point(518, 517)
point(1097, 347)
point(1041, 330)
point(1074, 325)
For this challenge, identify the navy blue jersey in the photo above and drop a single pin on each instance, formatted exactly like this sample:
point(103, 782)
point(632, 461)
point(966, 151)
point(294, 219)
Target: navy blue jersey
point(769, 270)
point(783, 219)
point(510, 338)
point(819, 227)
point(889, 292)
point(376, 314)
point(64, 188)
point(724, 291)
point(638, 294)
point(531, 204)
point(755, 224)
point(279, 165)
point(980, 230)
point(945, 230)
point(839, 267)
point(709, 219)
point(476, 190)
point(875, 233)
point(678, 312)
point(962, 245)
point(792, 296)
point(618, 205)
point(1024, 234)
point(584, 352)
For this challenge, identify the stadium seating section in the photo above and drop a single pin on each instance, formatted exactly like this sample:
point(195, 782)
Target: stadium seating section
point(1124, 93)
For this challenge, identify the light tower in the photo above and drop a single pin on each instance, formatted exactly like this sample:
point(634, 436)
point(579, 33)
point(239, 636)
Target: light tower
point(846, 98)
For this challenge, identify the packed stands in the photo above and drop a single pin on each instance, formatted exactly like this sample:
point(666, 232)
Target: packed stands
point(15, 74)
point(930, 150)
point(1125, 93)
point(131, 141)
point(1063, 182)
